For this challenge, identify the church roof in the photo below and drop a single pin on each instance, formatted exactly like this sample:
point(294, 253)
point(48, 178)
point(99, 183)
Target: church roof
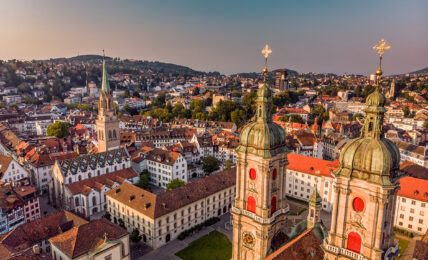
point(92, 161)
point(105, 85)
point(305, 246)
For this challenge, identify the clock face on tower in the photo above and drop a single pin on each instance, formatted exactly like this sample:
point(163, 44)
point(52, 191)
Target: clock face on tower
point(248, 239)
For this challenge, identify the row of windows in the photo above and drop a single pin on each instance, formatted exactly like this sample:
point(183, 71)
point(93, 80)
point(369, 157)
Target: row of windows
point(411, 218)
point(413, 202)
point(97, 173)
point(410, 226)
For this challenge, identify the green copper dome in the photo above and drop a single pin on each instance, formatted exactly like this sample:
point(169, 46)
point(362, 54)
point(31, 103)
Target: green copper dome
point(371, 157)
point(263, 137)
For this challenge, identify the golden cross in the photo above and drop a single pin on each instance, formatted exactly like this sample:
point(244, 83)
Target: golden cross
point(266, 51)
point(381, 47)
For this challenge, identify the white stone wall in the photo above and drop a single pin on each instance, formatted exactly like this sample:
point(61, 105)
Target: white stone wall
point(411, 215)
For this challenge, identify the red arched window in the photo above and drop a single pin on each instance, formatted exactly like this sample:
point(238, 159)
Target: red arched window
point(273, 204)
point(354, 242)
point(274, 174)
point(251, 204)
point(358, 204)
point(253, 174)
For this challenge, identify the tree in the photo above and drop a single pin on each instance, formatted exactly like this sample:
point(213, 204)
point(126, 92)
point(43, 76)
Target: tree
point(228, 165)
point(406, 111)
point(121, 223)
point(195, 91)
point(175, 183)
point(238, 117)
point(107, 216)
point(144, 181)
point(426, 125)
point(59, 129)
point(210, 164)
point(135, 236)
point(320, 112)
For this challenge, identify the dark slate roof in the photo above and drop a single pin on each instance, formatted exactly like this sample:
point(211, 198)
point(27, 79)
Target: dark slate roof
point(93, 161)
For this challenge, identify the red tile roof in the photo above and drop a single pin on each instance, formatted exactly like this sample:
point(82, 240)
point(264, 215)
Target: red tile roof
point(311, 165)
point(414, 188)
point(85, 238)
point(86, 186)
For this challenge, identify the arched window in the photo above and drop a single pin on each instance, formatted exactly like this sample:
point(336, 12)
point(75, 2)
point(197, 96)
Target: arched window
point(251, 204)
point(273, 205)
point(69, 180)
point(109, 134)
point(354, 242)
point(114, 134)
point(80, 178)
point(76, 202)
point(89, 175)
point(253, 174)
point(115, 168)
point(98, 172)
point(274, 174)
point(94, 201)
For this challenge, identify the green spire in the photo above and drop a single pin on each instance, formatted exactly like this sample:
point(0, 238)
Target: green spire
point(105, 86)
point(315, 199)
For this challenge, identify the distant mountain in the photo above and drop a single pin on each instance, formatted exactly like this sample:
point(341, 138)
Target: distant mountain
point(155, 66)
point(422, 71)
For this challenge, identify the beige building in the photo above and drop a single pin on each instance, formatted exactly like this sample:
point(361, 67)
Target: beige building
point(161, 218)
point(107, 123)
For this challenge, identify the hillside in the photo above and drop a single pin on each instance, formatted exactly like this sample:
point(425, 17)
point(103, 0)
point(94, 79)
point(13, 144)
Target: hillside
point(421, 71)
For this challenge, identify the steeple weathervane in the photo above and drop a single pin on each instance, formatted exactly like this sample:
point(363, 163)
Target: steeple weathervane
point(266, 51)
point(381, 47)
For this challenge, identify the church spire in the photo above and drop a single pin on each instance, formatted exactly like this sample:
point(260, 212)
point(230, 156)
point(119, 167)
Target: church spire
point(375, 102)
point(264, 99)
point(105, 85)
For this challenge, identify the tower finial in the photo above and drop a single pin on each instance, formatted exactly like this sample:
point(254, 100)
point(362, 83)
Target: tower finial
point(381, 47)
point(104, 55)
point(266, 51)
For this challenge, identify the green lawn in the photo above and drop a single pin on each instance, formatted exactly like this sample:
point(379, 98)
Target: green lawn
point(215, 246)
point(402, 244)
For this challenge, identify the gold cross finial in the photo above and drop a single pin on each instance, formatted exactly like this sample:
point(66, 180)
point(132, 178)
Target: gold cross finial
point(381, 47)
point(266, 51)
point(105, 236)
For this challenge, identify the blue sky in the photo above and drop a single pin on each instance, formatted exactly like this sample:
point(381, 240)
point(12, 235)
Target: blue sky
point(226, 36)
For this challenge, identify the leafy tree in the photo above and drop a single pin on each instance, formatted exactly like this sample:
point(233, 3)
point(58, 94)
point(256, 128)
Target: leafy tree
point(175, 183)
point(195, 91)
point(121, 223)
point(238, 117)
point(59, 129)
point(144, 181)
point(292, 117)
point(160, 99)
point(320, 112)
point(197, 106)
point(249, 103)
point(406, 111)
point(135, 236)
point(285, 98)
point(107, 216)
point(228, 164)
point(210, 164)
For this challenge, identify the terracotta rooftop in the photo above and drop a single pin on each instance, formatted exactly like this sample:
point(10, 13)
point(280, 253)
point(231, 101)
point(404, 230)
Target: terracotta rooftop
point(86, 186)
point(311, 165)
point(85, 238)
point(163, 156)
point(414, 188)
point(4, 163)
point(155, 206)
point(30, 233)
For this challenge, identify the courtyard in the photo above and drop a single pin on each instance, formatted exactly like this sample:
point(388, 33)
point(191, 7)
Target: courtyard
point(215, 246)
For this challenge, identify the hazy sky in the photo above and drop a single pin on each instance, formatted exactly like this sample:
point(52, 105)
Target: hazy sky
point(222, 35)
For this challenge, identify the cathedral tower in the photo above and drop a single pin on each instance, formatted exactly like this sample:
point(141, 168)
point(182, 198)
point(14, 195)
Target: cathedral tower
point(107, 122)
point(260, 209)
point(366, 186)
